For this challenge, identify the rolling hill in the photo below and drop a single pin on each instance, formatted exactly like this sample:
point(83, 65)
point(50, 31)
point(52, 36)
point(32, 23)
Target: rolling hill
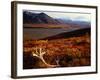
point(73, 33)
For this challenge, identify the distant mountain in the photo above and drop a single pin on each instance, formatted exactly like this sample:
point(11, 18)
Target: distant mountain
point(82, 23)
point(42, 18)
point(74, 22)
point(29, 17)
point(72, 33)
point(64, 21)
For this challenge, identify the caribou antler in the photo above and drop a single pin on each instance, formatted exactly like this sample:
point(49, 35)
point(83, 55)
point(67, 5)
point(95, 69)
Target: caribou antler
point(39, 53)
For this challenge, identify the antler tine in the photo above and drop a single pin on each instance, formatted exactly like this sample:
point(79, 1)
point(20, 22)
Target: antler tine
point(57, 62)
point(36, 50)
point(40, 50)
point(35, 53)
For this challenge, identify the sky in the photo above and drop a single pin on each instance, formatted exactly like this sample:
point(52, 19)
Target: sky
point(67, 15)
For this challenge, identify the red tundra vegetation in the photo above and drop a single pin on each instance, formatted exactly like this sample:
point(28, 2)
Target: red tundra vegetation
point(64, 52)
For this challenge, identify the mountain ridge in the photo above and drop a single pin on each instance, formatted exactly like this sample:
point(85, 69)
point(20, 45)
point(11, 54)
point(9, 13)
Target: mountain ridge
point(38, 18)
point(43, 18)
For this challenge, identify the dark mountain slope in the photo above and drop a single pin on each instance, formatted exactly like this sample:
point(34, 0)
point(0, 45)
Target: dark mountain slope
point(74, 33)
point(29, 17)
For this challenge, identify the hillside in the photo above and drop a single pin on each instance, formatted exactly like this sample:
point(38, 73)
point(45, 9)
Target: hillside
point(73, 33)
